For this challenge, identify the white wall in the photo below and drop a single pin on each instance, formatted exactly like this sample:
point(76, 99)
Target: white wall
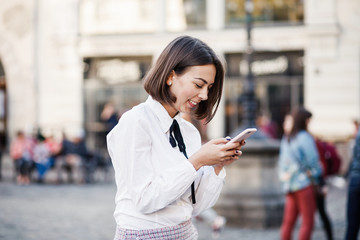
point(60, 68)
point(332, 60)
point(17, 56)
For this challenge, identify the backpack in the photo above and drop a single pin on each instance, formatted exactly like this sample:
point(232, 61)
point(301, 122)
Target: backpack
point(329, 158)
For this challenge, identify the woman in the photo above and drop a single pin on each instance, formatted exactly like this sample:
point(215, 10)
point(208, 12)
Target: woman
point(20, 152)
point(158, 188)
point(298, 165)
point(353, 207)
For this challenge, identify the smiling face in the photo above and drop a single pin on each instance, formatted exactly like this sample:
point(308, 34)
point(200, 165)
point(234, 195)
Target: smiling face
point(190, 88)
point(185, 62)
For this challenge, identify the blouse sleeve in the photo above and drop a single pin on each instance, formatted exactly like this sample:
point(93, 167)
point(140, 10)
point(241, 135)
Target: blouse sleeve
point(208, 184)
point(130, 148)
point(209, 189)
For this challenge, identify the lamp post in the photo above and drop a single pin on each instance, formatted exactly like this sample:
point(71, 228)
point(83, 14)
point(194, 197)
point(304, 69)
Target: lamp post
point(257, 203)
point(249, 102)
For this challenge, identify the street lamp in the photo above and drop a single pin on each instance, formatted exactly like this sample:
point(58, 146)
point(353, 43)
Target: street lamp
point(249, 103)
point(248, 100)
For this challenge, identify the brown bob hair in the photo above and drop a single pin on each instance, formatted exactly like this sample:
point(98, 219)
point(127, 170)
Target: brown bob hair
point(181, 53)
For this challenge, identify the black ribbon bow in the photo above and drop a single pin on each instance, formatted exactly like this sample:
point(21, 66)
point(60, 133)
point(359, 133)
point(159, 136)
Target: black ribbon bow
point(177, 138)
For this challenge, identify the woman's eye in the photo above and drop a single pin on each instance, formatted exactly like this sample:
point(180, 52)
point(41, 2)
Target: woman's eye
point(198, 86)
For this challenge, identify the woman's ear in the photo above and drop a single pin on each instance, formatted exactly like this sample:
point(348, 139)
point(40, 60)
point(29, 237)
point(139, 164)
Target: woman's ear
point(170, 79)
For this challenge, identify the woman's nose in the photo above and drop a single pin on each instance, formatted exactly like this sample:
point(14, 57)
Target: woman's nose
point(203, 94)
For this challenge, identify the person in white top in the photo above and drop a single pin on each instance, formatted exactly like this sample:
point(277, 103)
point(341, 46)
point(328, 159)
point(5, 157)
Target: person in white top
point(159, 189)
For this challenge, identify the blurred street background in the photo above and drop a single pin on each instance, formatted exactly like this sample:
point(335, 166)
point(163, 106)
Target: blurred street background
point(70, 68)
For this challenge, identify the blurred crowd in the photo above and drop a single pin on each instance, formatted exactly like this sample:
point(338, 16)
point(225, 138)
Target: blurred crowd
point(35, 155)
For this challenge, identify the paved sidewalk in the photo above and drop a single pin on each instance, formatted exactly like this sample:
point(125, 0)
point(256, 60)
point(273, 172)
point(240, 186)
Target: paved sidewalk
point(70, 211)
point(53, 212)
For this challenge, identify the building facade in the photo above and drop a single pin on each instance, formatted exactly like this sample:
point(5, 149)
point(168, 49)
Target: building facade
point(62, 61)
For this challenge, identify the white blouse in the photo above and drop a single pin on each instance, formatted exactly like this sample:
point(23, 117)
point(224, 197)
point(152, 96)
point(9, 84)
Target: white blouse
point(153, 179)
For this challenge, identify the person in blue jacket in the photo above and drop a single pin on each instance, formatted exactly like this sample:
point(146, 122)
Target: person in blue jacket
point(353, 202)
point(298, 166)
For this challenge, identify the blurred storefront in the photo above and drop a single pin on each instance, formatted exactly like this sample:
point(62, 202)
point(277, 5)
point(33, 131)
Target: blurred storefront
point(115, 81)
point(279, 87)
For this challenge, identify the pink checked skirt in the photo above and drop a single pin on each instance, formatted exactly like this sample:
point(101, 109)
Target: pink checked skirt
point(183, 231)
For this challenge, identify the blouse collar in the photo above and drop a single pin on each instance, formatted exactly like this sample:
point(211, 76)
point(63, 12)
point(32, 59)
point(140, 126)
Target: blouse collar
point(162, 115)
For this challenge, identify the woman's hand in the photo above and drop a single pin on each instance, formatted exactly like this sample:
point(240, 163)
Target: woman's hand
point(216, 153)
point(219, 167)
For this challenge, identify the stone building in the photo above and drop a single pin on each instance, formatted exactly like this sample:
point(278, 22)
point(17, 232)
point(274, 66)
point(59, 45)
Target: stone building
point(61, 61)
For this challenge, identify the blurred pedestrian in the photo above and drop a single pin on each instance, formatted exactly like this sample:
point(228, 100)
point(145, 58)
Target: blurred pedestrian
point(2, 149)
point(353, 202)
point(267, 126)
point(321, 196)
point(41, 157)
point(73, 158)
point(299, 167)
point(21, 153)
point(55, 149)
point(109, 116)
point(214, 220)
point(159, 188)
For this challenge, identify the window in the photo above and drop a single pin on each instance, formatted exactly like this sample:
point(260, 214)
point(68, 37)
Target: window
point(195, 13)
point(265, 12)
point(118, 16)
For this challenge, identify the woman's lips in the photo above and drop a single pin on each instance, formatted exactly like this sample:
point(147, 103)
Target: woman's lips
point(192, 103)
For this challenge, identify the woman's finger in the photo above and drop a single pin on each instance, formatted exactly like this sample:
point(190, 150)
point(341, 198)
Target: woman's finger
point(230, 146)
point(219, 141)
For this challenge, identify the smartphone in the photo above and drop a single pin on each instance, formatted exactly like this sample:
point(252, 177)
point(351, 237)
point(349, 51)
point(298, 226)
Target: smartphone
point(243, 135)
